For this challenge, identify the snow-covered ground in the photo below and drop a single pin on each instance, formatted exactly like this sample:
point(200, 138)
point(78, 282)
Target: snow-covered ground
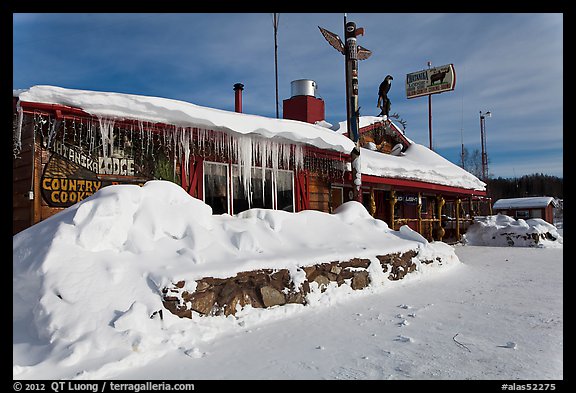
point(504, 305)
point(87, 280)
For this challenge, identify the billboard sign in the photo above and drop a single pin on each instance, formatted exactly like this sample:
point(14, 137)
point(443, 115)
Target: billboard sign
point(431, 81)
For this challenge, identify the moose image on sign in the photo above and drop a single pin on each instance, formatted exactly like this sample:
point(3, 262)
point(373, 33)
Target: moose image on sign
point(438, 76)
point(430, 81)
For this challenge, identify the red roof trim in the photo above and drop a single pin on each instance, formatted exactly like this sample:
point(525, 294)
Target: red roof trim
point(52, 108)
point(416, 184)
point(331, 154)
point(68, 112)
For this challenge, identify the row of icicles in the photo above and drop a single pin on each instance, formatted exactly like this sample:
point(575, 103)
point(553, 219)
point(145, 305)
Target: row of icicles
point(245, 151)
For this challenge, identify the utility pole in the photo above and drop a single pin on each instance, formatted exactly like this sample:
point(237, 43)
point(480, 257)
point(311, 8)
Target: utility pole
point(276, 18)
point(483, 142)
point(430, 113)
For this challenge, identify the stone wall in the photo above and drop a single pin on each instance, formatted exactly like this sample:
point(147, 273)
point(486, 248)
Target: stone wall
point(266, 287)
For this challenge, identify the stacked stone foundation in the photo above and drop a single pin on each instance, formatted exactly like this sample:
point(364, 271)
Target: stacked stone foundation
point(267, 287)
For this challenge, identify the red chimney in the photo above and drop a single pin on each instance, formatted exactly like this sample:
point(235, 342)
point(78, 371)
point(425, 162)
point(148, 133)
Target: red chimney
point(303, 105)
point(238, 87)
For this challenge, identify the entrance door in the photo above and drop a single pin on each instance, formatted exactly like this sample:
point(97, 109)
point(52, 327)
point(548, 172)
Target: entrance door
point(382, 206)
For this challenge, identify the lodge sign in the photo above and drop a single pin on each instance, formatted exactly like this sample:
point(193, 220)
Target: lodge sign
point(71, 175)
point(408, 199)
point(100, 165)
point(431, 81)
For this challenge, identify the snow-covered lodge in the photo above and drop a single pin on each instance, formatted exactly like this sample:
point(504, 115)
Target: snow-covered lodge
point(70, 143)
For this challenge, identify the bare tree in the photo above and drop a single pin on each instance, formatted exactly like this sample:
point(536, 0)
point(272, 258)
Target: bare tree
point(473, 162)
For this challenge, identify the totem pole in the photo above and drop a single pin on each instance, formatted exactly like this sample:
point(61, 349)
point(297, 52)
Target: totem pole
point(352, 53)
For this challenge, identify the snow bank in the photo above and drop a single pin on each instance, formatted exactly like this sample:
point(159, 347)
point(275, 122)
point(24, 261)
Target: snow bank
point(87, 281)
point(503, 230)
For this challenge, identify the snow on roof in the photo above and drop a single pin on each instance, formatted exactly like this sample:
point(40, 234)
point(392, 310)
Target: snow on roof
point(364, 121)
point(418, 163)
point(527, 202)
point(185, 114)
point(17, 92)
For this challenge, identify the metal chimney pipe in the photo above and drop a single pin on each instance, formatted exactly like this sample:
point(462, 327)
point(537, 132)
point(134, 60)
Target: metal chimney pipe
point(238, 87)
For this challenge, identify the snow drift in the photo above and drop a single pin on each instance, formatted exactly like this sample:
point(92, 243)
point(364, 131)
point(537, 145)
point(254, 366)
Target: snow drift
point(87, 281)
point(503, 230)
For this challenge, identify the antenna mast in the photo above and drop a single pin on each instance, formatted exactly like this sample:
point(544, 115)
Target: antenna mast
point(276, 19)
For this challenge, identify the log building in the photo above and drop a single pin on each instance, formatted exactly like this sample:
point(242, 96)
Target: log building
point(69, 143)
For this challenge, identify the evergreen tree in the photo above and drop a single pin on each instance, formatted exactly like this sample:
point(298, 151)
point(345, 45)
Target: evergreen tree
point(525, 186)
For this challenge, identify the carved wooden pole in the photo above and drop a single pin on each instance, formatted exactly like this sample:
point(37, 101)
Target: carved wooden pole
point(458, 219)
point(352, 53)
point(372, 203)
point(392, 203)
point(419, 209)
point(440, 203)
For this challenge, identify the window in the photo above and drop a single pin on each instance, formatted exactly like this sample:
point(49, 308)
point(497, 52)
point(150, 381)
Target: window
point(261, 190)
point(536, 213)
point(522, 214)
point(398, 210)
point(268, 192)
point(366, 200)
point(424, 208)
point(216, 186)
point(285, 191)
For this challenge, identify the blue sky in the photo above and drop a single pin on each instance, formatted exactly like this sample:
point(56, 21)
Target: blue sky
point(510, 64)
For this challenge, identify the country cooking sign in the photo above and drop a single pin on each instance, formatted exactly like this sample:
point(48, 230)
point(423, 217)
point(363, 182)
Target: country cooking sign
point(71, 176)
point(430, 81)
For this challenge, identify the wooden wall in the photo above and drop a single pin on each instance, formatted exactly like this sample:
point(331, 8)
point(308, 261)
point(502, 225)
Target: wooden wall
point(22, 206)
point(319, 191)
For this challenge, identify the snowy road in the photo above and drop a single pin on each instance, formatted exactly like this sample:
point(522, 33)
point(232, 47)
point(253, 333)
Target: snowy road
point(498, 315)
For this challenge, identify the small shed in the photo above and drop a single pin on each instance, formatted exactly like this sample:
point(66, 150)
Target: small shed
point(528, 207)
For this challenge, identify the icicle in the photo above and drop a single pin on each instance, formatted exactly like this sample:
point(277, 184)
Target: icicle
point(174, 167)
point(148, 138)
point(17, 134)
point(185, 147)
point(131, 140)
point(89, 136)
point(244, 159)
point(141, 128)
point(52, 132)
point(263, 162)
point(73, 126)
point(298, 157)
point(274, 157)
point(107, 136)
point(286, 155)
point(201, 135)
point(63, 131)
